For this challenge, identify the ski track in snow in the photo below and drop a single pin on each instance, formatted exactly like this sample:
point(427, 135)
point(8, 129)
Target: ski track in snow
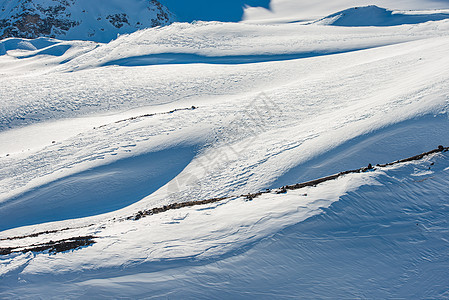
point(274, 105)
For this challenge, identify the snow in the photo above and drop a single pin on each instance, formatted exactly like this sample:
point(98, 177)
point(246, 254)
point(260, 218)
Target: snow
point(99, 20)
point(92, 133)
point(376, 16)
point(284, 11)
point(374, 231)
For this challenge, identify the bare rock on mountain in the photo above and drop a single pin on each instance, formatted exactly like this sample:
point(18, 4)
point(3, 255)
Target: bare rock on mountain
point(97, 20)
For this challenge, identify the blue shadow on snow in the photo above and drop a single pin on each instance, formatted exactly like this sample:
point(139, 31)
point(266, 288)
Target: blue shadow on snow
point(99, 190)
point(376, 16)
point(384, 145)
point(187, 58)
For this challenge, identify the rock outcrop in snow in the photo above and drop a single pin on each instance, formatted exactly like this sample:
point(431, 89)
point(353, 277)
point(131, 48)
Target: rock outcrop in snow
point(97, 20)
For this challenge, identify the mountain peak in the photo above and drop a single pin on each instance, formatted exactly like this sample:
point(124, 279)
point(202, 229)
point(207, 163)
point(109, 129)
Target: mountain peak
point(96, 20)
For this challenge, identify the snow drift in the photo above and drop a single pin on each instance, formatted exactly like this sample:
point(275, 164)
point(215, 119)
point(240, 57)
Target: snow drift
point(376, 16)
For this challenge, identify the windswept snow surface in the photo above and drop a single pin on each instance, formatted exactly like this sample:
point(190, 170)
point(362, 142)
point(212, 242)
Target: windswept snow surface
point(285, 11)
point(387, 238)
point(377, 16)
point(93, 133)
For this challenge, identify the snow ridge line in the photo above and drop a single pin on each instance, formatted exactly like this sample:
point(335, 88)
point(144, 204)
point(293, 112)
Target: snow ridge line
point(76, 242)
point(43, 232)
point(149, 115)
point(52, 246)
point(281, 190)
point(364, 169)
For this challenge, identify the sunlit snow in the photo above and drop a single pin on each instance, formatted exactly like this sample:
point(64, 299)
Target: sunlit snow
point(92, 133)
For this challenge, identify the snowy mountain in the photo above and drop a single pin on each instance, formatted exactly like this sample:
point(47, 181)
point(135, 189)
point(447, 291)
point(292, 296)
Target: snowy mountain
point(285, 11)
point(232, 160)
point(376, 16)
point(96, 20)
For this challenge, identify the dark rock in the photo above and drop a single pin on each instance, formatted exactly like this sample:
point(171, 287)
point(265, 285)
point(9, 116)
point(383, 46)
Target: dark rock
point(55, 18)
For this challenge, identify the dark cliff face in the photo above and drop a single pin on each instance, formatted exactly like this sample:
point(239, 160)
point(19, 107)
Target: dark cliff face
point(28, 20)
point(97, 20)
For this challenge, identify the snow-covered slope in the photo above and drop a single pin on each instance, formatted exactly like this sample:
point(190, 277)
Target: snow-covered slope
point(284, 11)
point(96, 135)
point(96, 20)
point(386, 237)
point(376, 16)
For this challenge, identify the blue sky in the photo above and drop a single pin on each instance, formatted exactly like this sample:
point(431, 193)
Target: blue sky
point(206, 10)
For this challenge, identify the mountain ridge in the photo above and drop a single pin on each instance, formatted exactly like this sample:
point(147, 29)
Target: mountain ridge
point(99, 20)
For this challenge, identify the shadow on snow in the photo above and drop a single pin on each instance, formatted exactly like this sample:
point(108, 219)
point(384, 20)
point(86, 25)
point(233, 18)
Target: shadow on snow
point(99, 190)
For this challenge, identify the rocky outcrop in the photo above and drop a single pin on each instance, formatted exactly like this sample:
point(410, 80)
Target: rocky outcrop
point(96, 20)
